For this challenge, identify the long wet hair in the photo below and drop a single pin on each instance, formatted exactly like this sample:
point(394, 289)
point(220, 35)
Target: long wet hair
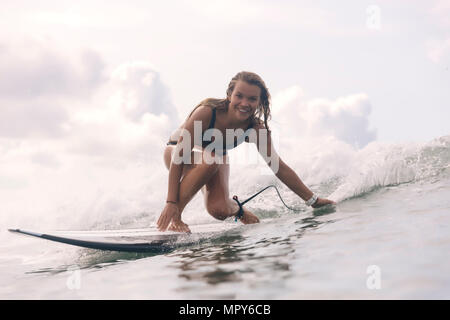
point(263, 110)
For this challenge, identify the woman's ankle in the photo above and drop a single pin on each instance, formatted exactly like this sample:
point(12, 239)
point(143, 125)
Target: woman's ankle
point(249, 217)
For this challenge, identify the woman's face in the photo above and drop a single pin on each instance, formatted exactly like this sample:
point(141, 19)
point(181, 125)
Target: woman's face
point(244, 100)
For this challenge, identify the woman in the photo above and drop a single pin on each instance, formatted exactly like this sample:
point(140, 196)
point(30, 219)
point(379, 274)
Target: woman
point(247, 100)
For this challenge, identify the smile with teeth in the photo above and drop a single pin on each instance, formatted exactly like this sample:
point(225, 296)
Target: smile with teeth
point(243, 110)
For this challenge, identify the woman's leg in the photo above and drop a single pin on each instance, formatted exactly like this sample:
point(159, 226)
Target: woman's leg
point(193, 177)
point(217, 199)
point(212, 179)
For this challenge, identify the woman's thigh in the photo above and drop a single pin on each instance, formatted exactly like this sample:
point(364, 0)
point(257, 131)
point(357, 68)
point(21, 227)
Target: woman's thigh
point(216, 191)
point(168, 159)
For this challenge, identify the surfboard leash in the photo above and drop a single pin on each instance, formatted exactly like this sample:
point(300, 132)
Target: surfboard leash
point(240, 213)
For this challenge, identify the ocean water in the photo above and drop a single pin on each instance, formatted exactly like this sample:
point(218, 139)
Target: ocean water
point(388, 237)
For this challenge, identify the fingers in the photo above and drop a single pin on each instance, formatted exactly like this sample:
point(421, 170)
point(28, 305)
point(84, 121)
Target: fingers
point(159, 223)
point(179, 227)
point(162, 225)
point(183, 227)
point(163, 221)
point(322, 202)
point(166, 217)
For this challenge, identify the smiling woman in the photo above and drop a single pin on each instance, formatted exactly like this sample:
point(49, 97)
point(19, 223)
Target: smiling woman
point(247, 100)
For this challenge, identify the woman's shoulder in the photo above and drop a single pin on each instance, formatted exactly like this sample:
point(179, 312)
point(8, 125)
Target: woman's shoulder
point(201, 112)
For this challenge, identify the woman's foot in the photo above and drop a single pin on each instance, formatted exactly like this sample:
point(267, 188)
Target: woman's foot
point(249, 217)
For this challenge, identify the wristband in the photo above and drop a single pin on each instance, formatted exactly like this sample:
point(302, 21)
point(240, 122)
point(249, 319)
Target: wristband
point(312, 200)
point(168, 201)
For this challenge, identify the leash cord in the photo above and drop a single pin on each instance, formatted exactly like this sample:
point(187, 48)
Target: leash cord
point(240, 213)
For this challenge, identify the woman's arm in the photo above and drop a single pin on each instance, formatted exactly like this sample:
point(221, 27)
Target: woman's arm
point(186, 142)
point(171, 214)
point(292, 181)
point(282, 170)
point(175, 171)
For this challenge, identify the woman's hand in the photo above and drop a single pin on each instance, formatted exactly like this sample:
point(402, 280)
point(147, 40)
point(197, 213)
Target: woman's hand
point(179, 226)
point(170, 217)
point(322, 202)
point(169, 212)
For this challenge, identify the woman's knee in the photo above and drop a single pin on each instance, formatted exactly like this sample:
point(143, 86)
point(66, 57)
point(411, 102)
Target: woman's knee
point(220, 212)
point(211, 169)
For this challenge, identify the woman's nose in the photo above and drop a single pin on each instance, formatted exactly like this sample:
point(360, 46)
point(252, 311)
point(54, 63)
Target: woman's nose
point(245, 103)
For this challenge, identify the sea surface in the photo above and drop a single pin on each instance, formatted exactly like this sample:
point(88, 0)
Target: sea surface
point(388, 237)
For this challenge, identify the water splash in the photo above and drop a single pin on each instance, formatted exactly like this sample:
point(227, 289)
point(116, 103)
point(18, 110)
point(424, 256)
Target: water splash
point(380, 165)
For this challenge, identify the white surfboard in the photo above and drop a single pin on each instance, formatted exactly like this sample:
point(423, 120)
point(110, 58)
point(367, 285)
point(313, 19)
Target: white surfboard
point(134, 240)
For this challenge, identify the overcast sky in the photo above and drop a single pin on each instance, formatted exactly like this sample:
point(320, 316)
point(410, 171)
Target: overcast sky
point(395, 53)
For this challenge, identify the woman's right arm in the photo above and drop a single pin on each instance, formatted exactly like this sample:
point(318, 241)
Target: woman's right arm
point(175, 171)
point(171, 211)
point(203, 114)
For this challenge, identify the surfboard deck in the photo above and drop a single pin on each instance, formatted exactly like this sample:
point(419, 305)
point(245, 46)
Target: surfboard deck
point(133, 240)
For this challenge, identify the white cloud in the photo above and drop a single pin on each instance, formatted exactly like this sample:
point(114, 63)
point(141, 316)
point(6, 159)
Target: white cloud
point(438, 49)
point(139, 90)
point(131, 118)
point(38, 86)
point(32, 119)
point(33, 71)
point(49, 94)
point(90, 14)
point(55, 104)
point(441, 13)
point(62, 150)
point(345, 118)
point(45, 159)
point(291, 15)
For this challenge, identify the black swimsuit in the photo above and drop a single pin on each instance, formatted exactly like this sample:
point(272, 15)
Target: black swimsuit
point(211, 126)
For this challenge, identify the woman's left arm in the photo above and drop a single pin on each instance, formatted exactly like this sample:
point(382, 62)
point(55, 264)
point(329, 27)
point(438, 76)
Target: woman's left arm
point(283, 171)
point(292, 180)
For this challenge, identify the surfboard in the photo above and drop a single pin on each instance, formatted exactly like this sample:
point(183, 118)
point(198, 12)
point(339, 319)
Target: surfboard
point(134, 240)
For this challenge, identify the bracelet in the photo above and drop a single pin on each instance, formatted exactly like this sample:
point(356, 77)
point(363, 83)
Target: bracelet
point(168, 201)
point(312, 200)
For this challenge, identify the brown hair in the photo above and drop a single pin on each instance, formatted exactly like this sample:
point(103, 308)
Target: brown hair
point(253, 79)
